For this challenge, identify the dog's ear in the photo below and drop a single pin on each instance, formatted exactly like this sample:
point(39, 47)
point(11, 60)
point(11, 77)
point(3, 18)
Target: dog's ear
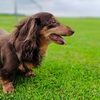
point(26, 36)
point(33, 28)
point(26, 27)
point(30, 42)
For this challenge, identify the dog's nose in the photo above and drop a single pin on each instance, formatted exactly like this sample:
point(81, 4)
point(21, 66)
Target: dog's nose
point(72, 31)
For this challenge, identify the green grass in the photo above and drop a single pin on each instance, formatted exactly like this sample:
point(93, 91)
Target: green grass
point(70, 72)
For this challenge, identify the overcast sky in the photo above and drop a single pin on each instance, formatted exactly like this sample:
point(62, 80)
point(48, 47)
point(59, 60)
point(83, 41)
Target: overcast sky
point(69, 8)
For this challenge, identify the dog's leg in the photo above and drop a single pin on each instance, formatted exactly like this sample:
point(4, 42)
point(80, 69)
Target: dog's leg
point(7, 78)
point(9, 70)
point(7, 87)
point(26, 70)
point(29, 67)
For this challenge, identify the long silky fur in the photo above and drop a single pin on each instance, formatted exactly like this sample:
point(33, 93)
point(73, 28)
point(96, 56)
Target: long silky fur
point(26, 41)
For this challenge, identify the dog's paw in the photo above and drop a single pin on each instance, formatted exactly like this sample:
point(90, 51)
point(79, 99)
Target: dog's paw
point(8, 88)
point(30, 74)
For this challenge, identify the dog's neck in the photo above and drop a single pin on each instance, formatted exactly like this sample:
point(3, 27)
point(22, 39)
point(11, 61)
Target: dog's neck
point(43, 46)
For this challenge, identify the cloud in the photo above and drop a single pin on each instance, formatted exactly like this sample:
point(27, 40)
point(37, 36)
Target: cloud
point(73, 8)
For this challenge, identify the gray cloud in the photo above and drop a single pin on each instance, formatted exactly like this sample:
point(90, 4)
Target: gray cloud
point(71, 8)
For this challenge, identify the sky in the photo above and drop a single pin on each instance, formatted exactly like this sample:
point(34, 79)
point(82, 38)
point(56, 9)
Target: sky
point(68, 8)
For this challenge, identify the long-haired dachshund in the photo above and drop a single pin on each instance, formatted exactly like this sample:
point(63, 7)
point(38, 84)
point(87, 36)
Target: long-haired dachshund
point(24, 49)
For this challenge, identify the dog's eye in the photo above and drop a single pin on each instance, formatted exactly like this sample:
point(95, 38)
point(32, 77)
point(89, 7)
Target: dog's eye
point(52, 24)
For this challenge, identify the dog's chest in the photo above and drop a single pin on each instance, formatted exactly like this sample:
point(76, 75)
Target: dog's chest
point(36, 59)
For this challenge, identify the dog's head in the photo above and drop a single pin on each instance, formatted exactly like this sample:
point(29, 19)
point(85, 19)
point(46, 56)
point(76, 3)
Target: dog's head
point(52, 29)
point(36, 32)
point(43, 25)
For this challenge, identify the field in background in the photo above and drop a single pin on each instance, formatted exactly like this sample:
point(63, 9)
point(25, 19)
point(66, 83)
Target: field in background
point(69, 72)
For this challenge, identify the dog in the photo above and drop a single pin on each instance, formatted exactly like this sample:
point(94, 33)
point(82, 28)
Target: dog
point(25, 48)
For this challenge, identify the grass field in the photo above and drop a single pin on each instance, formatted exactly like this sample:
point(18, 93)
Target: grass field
point(70, 72)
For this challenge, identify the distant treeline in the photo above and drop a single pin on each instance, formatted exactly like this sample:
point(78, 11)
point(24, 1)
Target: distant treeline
point(6, 14)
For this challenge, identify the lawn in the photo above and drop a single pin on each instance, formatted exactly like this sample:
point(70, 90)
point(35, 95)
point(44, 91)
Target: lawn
point(69, 72)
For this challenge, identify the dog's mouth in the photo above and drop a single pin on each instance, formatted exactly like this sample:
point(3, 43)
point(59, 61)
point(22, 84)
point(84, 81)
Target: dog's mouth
point(57, 39)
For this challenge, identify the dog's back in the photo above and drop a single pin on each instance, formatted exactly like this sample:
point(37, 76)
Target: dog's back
point(3, 36)
point(2, 32)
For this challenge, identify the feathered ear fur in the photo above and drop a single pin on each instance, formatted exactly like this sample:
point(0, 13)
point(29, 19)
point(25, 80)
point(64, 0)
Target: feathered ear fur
point(27, 28)
point(25, 37)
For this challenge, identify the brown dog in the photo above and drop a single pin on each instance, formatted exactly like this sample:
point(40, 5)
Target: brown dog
point(26, 46)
